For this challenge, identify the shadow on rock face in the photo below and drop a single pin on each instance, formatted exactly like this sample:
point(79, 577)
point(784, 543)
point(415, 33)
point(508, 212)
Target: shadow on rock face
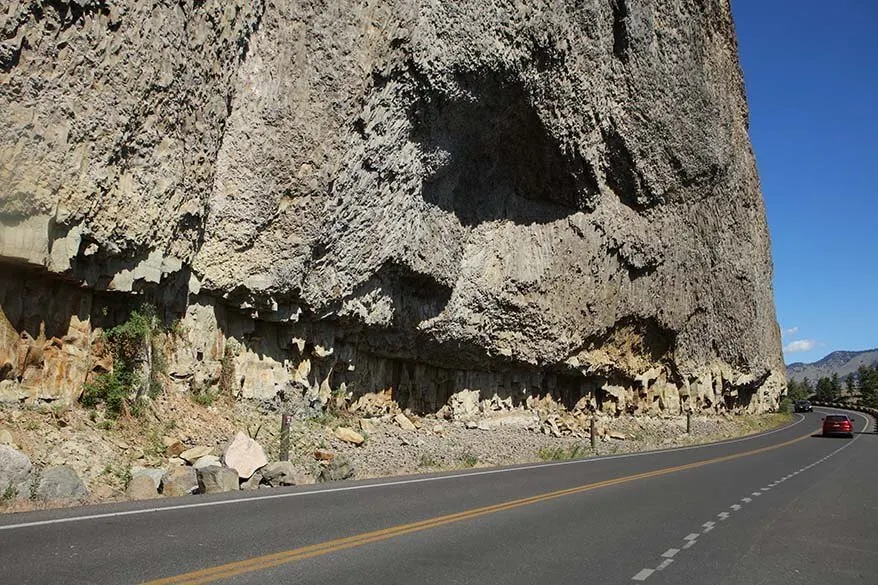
point(490, 156)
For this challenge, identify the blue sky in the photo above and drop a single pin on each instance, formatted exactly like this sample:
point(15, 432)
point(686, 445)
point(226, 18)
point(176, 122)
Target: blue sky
point(811, 71)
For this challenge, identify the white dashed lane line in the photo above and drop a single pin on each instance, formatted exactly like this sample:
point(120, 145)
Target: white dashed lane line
point(664, 564)
point(691, 539)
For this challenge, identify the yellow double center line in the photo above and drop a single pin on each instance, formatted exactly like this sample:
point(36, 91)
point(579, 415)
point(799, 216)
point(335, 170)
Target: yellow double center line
point(306, 552)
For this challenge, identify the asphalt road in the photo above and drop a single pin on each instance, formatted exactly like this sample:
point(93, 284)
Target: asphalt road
point(779, 508)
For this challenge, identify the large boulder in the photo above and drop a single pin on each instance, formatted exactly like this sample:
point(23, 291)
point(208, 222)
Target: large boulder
point(337, 469)
point(404, 422)
point(464, 404)
point(60, 483)
point(141, 487)
point(15, 469)
point(208, 461)
point(195, 453)
point(180, 481)
point(154, 475)
point(244, 455)
point(216, 480)
point(349, 435)
point(254, 482)
point(283, 473)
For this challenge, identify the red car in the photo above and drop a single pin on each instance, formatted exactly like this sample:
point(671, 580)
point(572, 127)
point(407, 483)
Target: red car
point(838, 424)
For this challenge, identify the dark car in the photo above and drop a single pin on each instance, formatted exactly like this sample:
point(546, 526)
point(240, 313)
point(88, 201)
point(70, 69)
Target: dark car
point(803, 406)
point(838, 424)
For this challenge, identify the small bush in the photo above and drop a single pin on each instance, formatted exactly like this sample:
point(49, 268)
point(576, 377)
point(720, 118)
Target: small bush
point(204, 397)
point(9, 494)
point(111, 389)
point(204, 394)
point(468, 459)
point(562, 453)
point(428, 461)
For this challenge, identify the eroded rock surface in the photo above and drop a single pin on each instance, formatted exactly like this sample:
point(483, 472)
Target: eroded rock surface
point(519, 199)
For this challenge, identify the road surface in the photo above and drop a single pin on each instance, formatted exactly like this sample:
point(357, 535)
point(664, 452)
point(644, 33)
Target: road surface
point(785, 507)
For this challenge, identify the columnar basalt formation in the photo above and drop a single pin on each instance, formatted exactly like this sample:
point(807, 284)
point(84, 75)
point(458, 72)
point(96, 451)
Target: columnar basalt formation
point(521, 198)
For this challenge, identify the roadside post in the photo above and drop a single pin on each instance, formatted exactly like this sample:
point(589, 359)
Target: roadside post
point(594, 436)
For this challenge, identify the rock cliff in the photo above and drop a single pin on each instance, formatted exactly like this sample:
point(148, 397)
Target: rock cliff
point(522, 198)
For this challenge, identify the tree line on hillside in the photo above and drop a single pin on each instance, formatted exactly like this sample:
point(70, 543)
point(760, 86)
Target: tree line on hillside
point(829, 388)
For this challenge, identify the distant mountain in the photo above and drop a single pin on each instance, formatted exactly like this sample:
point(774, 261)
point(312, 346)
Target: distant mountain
point(838, 362)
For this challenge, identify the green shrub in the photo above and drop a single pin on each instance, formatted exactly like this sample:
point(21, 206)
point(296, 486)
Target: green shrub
point(111, 389)
point(562, 453)
point(428, 461)
point(204, 396)
point(137, 341)
point(9, 494)
point(468, 459)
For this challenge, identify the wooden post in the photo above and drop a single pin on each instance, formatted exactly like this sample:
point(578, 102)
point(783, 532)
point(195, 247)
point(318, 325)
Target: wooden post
point(284, 454)
point(688, 422)
point(594, 435)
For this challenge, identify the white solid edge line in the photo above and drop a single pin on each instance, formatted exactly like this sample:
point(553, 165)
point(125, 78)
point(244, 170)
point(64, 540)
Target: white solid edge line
point(381, 484)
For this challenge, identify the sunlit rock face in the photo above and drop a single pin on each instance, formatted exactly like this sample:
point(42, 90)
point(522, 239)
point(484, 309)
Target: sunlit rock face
point(522, 198)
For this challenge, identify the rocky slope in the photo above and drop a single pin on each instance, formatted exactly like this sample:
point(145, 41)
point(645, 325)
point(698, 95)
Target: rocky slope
point(104, 460)
point(837, 362)
point(337, 197)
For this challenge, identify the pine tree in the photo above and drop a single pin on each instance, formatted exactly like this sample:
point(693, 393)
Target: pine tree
point(850, 382)
point(868, 379)
point(797, 390)
point(834, 387)
point(824, 389)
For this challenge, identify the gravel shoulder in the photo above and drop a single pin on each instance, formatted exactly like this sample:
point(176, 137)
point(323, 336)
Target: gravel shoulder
point(104, 451)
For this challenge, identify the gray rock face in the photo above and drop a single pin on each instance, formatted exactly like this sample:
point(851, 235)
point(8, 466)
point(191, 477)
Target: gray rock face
point(15, 469)
point(216, 480)
point(60, 483)
point(511, 198)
